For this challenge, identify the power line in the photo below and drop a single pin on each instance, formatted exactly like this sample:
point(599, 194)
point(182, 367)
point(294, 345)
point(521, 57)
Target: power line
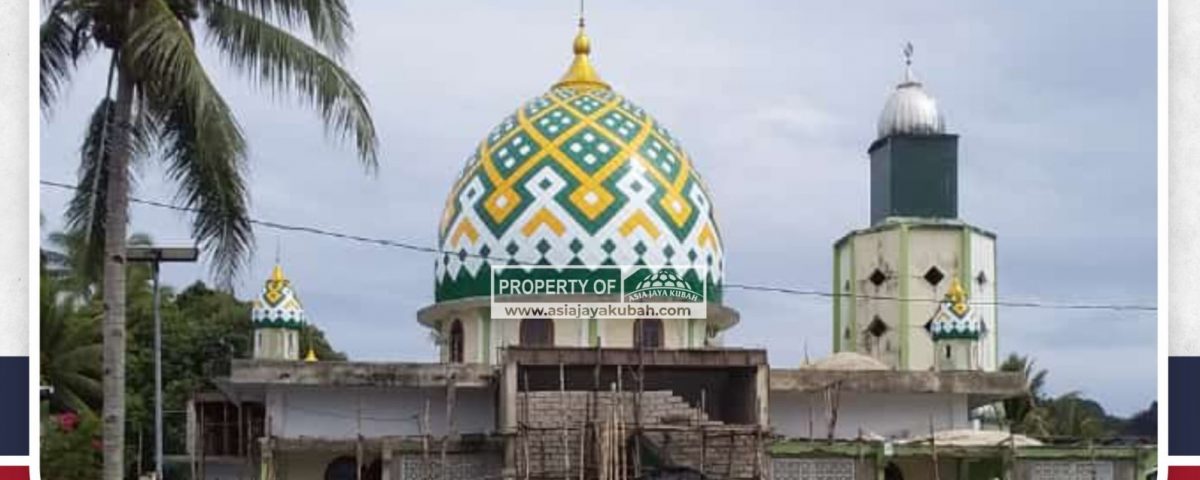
point(737, 286)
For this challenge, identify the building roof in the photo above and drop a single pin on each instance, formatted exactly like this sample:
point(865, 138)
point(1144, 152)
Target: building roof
point(976, 438)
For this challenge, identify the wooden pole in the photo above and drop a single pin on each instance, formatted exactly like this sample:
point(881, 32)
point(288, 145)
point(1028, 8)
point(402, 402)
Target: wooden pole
point(358, 436)
point(563, 417)
point(425, 434)
point(937, 474)
point(451, 424)
point(523, 427)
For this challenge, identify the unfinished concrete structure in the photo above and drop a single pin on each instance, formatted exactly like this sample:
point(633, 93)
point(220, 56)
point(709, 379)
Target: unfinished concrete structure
point(581, 176)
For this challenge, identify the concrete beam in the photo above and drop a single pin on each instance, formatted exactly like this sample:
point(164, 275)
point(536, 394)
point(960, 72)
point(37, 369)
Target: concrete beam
point(377, 374)
point(393, 444)
point(693, 358)
point(984, 386)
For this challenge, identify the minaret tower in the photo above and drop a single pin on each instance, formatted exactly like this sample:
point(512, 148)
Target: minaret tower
point(278, 318)
point(892, 276)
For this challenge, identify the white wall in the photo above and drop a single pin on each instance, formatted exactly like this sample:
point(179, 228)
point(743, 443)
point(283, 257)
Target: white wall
point(334, 413)
point(888, 415)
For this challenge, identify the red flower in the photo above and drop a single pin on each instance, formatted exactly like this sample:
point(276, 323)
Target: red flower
point(68, 421)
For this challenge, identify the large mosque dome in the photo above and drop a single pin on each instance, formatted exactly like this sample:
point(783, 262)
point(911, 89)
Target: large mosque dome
point(580, 175)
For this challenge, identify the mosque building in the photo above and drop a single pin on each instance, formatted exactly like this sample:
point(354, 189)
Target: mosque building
point(582, 176)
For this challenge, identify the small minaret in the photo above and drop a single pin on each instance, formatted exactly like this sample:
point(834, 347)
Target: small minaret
point(955, 330)
point(278, 318)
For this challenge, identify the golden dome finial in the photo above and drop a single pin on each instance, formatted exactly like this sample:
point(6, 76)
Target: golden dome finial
point(277, 274)
point(311, 356)
point(581, 74)
point(957, 297)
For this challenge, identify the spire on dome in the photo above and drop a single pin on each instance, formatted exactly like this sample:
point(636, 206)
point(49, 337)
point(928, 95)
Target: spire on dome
point(909, 78)
point(580, 73)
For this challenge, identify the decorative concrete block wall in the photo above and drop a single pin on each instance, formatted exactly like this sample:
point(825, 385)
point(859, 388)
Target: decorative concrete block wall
point(554, 424)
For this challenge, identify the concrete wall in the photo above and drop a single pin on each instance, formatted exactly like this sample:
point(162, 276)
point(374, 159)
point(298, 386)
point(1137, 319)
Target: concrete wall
point(334, 413)
point(888, 415)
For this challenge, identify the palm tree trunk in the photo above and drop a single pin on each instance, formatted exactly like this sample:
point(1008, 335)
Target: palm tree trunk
point(115, 224)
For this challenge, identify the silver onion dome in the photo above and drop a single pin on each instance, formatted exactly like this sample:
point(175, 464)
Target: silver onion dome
point(910, 110)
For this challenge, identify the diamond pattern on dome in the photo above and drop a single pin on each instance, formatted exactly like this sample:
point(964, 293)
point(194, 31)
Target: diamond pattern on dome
point(585, 175)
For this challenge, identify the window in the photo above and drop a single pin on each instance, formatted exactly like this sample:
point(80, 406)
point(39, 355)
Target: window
point(875, 332)
point(221, 435)
point(456, 342)
point(877, 277)
point(934, 276)
point(647, 333)
point(947, 351)
point(537, 332)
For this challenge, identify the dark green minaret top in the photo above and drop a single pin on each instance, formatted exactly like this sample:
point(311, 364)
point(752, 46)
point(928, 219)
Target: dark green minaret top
point(914, 162)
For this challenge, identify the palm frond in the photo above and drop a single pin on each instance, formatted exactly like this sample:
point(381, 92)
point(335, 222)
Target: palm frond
point(211, 183)
point(327, 21)
point(58, 54)
point(283, 62)
point(86, 211)
point(199, 136)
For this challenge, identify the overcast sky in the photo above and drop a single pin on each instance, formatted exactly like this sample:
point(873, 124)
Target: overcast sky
point(1054, 102)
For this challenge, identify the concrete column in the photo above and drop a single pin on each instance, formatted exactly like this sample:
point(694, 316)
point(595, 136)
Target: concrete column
point(386, 455)
point(508, 417)
point(267, 470)
point(762, 394)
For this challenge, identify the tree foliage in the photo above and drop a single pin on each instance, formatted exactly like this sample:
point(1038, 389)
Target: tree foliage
point(1069, 415)
point(203, 330)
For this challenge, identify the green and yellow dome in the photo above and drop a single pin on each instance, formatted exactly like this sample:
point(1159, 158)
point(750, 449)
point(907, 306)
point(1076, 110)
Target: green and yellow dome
point(577, 176)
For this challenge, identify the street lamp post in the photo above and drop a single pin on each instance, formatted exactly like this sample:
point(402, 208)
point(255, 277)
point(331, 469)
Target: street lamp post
point(155, 256)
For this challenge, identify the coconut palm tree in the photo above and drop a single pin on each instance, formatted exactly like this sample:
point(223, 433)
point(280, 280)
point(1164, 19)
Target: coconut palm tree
point(1021, 411)
point(166, 107)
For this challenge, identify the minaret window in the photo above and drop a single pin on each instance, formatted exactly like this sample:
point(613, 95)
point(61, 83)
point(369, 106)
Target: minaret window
point(875, 332)
point(537, 332)
point(981, 279)
point(877, 277)
point(934, 276)
point(456, 342)
point(647, 333)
